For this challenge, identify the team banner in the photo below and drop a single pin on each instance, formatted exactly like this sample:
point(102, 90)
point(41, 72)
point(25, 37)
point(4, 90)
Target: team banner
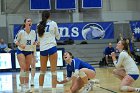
point(65, 4)
point(40, 5)
point(82, 31)
point(135, 28)
point(87, 31)
point(87, 4)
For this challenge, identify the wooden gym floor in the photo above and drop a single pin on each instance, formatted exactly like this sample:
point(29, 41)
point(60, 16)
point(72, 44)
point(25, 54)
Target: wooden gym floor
point(9, 82)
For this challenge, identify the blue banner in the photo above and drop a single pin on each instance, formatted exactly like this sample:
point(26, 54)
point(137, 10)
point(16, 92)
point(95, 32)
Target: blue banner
point(65, 4)
point(87, 31)
point(135, 28)
point(40, 5)
point(82, 31)
point(87, 4)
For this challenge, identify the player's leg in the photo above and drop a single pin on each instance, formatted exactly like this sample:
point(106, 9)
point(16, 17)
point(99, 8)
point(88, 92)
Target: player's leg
point(106, 59)
point(86, 74)
point(21, 60)
point(43, 67)
point(119, 73)
point(77, 84)
point(126, 83)
point(28, 59)
point(53, 63)
point(33, 69)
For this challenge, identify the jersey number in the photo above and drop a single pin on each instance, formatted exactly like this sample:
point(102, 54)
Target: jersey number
point(28, 42)
point(47, 28)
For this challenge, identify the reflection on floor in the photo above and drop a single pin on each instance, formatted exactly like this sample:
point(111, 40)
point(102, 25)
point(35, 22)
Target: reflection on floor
point(9, 82)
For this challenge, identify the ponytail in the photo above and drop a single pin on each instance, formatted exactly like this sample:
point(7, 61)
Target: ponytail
point(41, 28)
point(125, 43)
point(42, 24)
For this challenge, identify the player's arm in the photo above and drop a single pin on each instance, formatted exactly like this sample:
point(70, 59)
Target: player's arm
point(17, 39)
point(64, 81)
point(57, 35)
point(68, 78)
point(118, 62)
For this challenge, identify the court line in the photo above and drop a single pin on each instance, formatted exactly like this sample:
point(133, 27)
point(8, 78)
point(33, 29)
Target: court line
point(107, 89)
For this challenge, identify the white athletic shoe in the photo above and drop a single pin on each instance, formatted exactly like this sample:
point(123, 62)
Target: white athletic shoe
point(87, 88)
point(94, 81)
point(32, 82)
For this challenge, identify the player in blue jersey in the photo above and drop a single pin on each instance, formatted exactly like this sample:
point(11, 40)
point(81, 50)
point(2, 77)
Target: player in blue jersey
point(79, 72)
point(25, 40)
point(47, 35)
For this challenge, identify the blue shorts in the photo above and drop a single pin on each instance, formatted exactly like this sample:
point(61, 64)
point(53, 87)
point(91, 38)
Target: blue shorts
point(49, 51)
point(134, 76)
point(25, 53)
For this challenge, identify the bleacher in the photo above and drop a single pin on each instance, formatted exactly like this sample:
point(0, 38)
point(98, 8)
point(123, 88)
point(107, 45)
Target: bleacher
point(91, 52)
point(137, 48)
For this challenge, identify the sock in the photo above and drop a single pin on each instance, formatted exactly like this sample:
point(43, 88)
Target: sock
point(53, 90)
point(32, 78)
point(40, 88)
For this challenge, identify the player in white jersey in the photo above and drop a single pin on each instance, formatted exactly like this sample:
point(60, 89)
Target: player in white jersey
point(25, 40)
point(48, 33)
point(126, 68)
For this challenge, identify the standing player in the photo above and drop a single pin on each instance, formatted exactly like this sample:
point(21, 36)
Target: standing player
point(83, 72)
point(48, 33)
point(126, 69)
point(25, 39)
point(33, 65)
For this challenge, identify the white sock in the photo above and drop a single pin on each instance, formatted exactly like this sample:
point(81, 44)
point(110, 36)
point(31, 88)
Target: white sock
point(40, 89)
point(137, 89)
point(32, 78)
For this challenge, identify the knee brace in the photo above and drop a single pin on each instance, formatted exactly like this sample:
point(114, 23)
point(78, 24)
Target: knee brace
point(42, 72)
point(124, 88)
point(27, 74)
point(22, 73)
point(82, 74)
point(76, 73)
point(54, 73)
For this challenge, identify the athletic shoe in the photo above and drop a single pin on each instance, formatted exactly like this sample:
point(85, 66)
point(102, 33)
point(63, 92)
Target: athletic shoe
point(87, 88)
point(94, 81)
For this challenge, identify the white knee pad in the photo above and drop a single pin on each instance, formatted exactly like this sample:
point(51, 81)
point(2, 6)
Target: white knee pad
point(82, 74)
point(124, 88)
point(22, 73)
point(42, 72)
point(76, 73)
point(54, 73)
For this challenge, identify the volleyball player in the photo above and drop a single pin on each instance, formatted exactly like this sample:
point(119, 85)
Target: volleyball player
point(25, 40)
point(48, 33)
point(126, 69)
point(83, 72)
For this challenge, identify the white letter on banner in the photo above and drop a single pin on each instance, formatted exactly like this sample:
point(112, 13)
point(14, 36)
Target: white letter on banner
point(64, 31)
point(75, 32)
